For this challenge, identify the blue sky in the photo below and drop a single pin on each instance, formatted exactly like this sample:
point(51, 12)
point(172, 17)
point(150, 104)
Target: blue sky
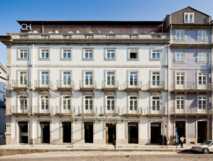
point(11, 10)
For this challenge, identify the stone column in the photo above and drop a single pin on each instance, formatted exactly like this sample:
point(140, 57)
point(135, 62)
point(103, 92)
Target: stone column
point(77, 132)
point(121, 133)
point(99, 132)
point(55, 129)
point(143, 131)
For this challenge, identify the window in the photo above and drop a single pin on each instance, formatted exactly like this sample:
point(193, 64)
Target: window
point(66, 54)
point(88, 54)
point(202, 35)
point(188, 17)
point(133, 103)
point(110, 78)
point(110, 103)
point(66, 78)
point(23, 78)
point(44, 78)
point(179, 35)
point(202, 102)
point(133, 78)
point(180, 102)
point(202, 57)
point(23, 102)
point(44, 54)
point(155, 54)
point(155, 103)
point(23, 54)
point(88, 103)
point(133, 54)
point(110, 54)
point(180, 78)
point(66, 103)
point(202, 78)
point(179, 57)
point(88, 78)
point(44, 103)
point(155, 78)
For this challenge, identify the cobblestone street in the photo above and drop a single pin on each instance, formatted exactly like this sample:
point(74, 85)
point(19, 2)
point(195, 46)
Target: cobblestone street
point(109, 156)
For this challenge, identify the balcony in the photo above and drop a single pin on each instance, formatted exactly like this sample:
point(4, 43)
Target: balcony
point(42, 86)
point(61, 86)
point(109, 112)
point(151, 111)
point(16, 85)
point(154, 86)
point(192, 87)
point(87, 86)
point(132, 87)
point(131, 113)
point(110, 87)
point(41, 112)
point(87, 112)
point(16, 110)
point(190, 111)
point(59, 110)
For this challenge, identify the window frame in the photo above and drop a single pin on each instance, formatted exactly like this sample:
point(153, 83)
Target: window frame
point(40, 54)
point(106, 58)
point(19, 52)
point(154, 51)
point(133, 50)
point(187, 17)
point(84, 52)
point(62, 54)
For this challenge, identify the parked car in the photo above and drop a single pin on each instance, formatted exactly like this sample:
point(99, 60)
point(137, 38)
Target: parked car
point(204, 147)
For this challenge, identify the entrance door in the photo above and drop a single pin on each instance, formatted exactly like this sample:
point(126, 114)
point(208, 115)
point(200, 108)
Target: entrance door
point(88, 132)
point(180, 130)
point(156, 137)
point(23, 132)
point(66, 132)
point(133, 132)
point(201, 131)
point(45, 132)
point(111, 134)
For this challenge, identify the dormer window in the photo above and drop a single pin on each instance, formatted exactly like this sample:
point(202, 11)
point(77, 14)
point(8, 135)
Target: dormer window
point(189, 17)
point(26, 27)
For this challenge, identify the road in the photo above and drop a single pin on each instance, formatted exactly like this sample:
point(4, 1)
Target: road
point(109, 156)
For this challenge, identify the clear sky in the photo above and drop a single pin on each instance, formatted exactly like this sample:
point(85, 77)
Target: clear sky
point(12, 10)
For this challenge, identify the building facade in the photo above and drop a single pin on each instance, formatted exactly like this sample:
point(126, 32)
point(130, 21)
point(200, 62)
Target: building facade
point(111, 82)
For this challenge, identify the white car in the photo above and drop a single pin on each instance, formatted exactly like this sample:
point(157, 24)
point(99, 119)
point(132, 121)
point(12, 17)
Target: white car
point(204, 147)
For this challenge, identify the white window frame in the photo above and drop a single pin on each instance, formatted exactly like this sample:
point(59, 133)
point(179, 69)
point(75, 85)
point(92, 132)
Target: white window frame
point(66, 81)
point(88, 81)
point(133, 50)
point(22, 78)
point(202, 79)
point(44, 56)
point(45, 81)
point(44, 103)
point(179, 57)
point(189, 17)
point(88, 103)
point(133, 78)
point(110, 54)
point(201, 104)
point(22, 54)
point(64, 52)
point(202, 35)
point(133, 103)
point(110, 78)
point(88, 54)
point(155, 104)
point(179, 103)
point(66, 103)
point(202, 57)
point(155, 78)
point(181, 80)
point(180, 35)
point(23, 98)
point(154, 53)
point(110, 103)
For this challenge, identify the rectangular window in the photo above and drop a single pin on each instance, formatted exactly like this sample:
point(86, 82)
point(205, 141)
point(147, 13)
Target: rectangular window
point(180, 102)
point(110, 103)
point(155, 78)
point(155, 54)
point(23, 78)
point(88, 103)
point(180, 78)
point(133, 103)
point(202, 102)
point(66, 78)
point(88, 78)
point(155, 103)
point(23, 54)
point(188, 17)
point(202, 57)
point(44, 54)
point(133, 78)
point(179, 35)
point(179, 57)
point(44, 78)
point(202, 78)
point(66, 54)
point(23, 103)
point(66, 103)
point(133, 54)
point(110, 78)
point(110, 54)
point(202, 35)
point(44, 103)
point(88, 54)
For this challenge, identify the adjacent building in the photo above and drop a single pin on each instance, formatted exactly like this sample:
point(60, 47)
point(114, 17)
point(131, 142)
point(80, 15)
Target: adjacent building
point(110, 82)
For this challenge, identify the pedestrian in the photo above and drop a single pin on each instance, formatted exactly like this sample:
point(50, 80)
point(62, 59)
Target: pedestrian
point(181, 141)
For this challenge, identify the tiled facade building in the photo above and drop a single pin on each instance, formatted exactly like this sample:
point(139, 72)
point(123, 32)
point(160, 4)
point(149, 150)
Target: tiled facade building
point(111, 82)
